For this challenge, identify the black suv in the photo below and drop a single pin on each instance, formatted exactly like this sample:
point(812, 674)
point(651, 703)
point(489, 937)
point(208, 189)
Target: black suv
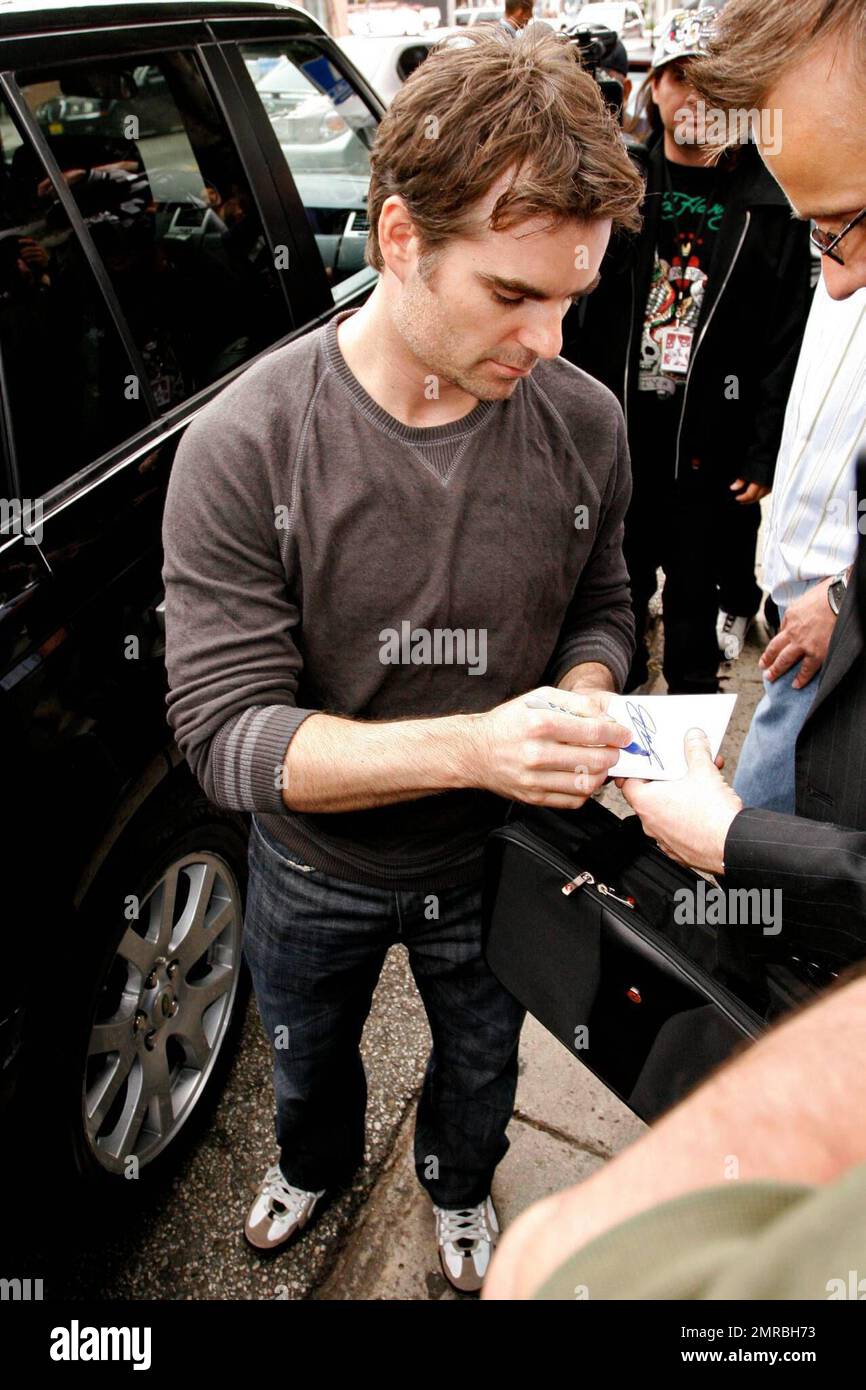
point(184, 188)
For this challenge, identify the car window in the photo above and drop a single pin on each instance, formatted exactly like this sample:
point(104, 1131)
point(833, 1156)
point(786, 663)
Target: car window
point(325, 131)
point(65, 372)
point(163, 194)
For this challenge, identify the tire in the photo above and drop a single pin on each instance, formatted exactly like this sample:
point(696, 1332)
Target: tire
point(154, 1000)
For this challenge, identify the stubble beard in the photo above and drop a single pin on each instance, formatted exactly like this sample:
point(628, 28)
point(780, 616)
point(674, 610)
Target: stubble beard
point(419, 320)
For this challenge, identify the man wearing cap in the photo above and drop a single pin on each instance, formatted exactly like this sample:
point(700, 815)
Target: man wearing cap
point(696, 327)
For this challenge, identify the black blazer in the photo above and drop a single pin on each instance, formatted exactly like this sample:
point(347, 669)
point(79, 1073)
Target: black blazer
point(818, 856)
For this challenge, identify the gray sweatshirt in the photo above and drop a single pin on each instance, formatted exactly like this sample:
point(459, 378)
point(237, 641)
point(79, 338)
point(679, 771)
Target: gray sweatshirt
point(322, 555)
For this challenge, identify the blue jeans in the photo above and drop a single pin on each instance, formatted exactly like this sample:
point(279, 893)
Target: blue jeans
point(765, 771)
point(315, 946)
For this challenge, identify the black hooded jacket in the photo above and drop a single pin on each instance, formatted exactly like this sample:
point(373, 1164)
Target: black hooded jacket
point(750, 325)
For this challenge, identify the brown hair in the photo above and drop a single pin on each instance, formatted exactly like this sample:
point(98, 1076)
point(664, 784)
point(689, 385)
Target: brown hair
point(479, 106)
point(755, 41)
point(646, 122)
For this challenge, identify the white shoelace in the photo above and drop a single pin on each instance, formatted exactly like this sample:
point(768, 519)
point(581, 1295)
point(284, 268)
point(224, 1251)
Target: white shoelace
point(294, 1199)
point(467, 1223)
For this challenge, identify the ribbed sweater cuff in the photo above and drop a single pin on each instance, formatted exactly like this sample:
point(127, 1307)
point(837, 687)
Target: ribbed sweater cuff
point(591, 646)
point(248, 755)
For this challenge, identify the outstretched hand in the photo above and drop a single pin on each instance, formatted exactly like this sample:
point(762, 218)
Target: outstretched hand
point(689, 819)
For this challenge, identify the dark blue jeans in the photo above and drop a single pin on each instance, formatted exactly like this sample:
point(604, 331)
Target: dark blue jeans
point(315, 946)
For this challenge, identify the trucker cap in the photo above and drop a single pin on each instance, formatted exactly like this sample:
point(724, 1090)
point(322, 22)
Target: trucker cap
point(686, 35)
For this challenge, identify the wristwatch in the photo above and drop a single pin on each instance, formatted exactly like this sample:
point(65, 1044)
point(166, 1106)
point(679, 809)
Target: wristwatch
point(836, 591)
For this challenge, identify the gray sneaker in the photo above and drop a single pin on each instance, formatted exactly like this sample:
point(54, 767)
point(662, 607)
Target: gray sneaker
point(467, 1237)
point(278, 1211)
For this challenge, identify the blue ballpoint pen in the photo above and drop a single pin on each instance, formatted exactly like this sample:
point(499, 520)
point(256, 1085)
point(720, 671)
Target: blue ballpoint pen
point(536, 702)
point(634, 748)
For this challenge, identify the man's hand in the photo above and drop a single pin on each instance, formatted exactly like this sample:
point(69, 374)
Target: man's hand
point(543, 756)
point(689, 819)
point(804, 636)
point(749, 492)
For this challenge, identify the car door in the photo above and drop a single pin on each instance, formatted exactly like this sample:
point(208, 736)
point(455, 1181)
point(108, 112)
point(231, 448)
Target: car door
point(174, 249)
point(24, 638)
point(138, 274)
point(314, 117)
point(57, 347)
point(159, 285)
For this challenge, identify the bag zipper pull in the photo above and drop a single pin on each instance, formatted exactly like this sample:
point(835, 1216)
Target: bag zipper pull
point(577, 882)
point(609, 893)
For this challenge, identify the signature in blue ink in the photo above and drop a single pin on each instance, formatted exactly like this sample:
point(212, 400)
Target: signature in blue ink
point(644, 727)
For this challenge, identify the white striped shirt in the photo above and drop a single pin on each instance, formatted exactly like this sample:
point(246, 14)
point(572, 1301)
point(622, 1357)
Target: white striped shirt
point(812, 530)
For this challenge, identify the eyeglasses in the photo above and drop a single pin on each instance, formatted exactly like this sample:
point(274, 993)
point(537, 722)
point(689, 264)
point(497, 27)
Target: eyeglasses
point(827, 242)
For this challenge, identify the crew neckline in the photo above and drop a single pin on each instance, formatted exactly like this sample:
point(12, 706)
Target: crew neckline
point(412, 434)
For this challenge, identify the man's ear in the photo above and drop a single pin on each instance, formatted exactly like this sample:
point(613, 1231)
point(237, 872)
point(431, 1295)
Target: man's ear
point(397, 236)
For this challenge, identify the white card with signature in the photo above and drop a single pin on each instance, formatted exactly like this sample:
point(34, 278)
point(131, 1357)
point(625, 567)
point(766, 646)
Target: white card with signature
point(658, 723)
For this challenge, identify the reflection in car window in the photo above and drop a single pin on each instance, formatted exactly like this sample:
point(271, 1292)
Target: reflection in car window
point(326, 133)
point(65, 372)
point(161, 189)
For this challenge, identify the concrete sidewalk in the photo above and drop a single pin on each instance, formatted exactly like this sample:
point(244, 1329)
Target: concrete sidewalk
point(565, 1125)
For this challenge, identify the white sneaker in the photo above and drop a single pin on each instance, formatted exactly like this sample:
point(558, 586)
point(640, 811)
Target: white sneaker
point(731, 634)
point(467, 1237)
point(278, 1211)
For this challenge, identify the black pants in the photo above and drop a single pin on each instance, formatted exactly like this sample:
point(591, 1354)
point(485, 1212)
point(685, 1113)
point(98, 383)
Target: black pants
point(704, 540)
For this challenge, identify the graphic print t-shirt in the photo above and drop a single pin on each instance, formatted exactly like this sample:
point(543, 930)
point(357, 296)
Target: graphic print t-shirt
point(689, 219)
